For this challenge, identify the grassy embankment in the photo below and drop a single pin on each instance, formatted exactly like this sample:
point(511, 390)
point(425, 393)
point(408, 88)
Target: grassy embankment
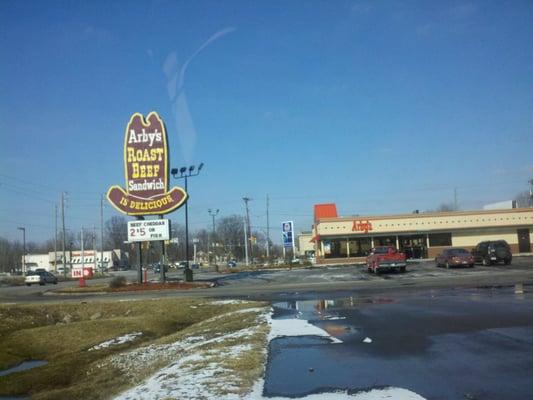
point(62, 334)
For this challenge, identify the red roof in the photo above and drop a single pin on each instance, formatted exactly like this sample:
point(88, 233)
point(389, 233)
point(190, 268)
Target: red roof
point(328, 210)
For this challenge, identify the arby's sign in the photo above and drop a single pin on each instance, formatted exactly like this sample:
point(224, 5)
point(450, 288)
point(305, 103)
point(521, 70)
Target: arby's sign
point(361, 226)
point(146, 170)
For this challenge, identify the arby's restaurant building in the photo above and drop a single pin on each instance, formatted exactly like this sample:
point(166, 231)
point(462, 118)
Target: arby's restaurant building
point(340, 239)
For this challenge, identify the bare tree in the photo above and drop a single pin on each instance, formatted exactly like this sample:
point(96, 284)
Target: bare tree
point(444, 207)
point(176, 251)
point(10, 255)
point(230, 231)
point(116, 232)
point(203, 239)
point(524, 200)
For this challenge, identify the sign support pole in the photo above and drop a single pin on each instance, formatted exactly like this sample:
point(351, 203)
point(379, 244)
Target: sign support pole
point(140, 267)
point(140, 251)
point(162, 263)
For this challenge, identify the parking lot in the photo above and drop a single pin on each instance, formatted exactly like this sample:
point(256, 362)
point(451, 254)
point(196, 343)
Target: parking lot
point(258, 283)
point(342, 273)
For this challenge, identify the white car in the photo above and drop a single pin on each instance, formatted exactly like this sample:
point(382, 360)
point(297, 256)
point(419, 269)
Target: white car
point(40, 277)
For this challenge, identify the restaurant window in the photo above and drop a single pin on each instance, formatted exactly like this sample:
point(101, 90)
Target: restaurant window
point(360, 247)
point(385, 241)
point(335, 248)
point(440, 239)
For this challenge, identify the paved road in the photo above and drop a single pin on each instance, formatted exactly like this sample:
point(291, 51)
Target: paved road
point(441, 344)
point(266, 284)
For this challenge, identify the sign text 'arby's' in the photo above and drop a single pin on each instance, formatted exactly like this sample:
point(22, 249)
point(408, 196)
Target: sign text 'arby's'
point(146, 170)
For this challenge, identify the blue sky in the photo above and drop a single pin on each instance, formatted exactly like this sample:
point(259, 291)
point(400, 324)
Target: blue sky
point(381, 107)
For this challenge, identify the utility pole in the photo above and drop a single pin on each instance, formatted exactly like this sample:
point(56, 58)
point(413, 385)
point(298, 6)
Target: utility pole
point(245, 242)
point(455, 202)
point(94, 248)
point(64, 236)
point(82, 250)
point(246, 200)
point(213, 214)
point(82, 276)
point(268, 233)
point(23, 249)
point(101, 232)
point(55, 240)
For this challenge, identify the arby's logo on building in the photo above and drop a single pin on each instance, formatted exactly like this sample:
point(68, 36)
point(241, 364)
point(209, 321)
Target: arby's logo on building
point(146, 170)
point(361, 226)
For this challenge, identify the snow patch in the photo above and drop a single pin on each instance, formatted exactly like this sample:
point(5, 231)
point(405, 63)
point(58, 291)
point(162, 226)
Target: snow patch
point(129, 337)
point(388, 393)
point(367, 340)
point(223, 302)
point(182, 380)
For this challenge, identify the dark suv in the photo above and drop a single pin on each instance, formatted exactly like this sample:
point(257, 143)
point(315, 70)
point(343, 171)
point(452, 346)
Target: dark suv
point(492, 252)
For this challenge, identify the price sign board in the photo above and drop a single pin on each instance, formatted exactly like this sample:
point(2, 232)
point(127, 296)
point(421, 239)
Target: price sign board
point(148, 230)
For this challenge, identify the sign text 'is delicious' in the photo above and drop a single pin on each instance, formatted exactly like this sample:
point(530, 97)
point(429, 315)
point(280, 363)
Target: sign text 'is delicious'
point(146, 170)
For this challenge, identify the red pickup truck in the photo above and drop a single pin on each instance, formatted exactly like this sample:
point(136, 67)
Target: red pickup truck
point(385, 257)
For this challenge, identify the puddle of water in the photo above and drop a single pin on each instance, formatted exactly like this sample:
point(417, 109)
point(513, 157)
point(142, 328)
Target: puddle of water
point(23, 367)
point(323, 308)
point(453, 335)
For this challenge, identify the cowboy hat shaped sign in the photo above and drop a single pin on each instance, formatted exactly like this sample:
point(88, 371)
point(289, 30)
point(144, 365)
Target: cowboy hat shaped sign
point(146, 170)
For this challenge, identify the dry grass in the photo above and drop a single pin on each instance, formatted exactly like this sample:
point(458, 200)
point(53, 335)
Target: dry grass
point(62, 334)
point(12, 280)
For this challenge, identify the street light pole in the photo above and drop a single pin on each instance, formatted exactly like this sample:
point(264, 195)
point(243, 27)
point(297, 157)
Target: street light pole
point(185, 173)
point(186, 228)
point(23, 249)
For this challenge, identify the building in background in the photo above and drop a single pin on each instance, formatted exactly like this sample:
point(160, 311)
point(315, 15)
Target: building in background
point(349, 239)
point(111, 259)
point(34, 261)
point(305, 246)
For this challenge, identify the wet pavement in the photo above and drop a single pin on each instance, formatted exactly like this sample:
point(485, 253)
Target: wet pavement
point(447, 344)
point(339, 273)
point(277, 283)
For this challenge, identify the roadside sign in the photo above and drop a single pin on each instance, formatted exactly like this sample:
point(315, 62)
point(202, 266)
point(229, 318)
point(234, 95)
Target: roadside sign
point(146, 170)
point(148, 230)
point(78, 272)
point(287, 234)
